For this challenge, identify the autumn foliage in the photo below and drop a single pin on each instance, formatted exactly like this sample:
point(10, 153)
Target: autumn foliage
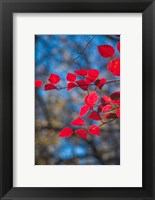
point(102, 109)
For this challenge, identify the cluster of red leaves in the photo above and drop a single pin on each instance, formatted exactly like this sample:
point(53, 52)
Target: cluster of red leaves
point(53, 79)
point(89, 77)
point(107, 51)
point(95, 108)
point(109, 108)
point(92, 130)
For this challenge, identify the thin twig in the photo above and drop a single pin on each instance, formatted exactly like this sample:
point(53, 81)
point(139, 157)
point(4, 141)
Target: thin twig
point(106, 122)
point(81, 52)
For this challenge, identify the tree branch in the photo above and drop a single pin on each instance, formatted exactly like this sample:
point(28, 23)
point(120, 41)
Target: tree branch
point(109, 81)
point(81, 52)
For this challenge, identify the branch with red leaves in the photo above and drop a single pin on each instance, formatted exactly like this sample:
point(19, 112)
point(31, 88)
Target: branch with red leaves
point(108, 108)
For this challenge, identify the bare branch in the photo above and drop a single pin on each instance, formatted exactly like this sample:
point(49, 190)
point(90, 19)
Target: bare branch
point(81, 52)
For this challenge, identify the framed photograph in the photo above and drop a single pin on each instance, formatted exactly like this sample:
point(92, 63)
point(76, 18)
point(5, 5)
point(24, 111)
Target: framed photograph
point(77, 99)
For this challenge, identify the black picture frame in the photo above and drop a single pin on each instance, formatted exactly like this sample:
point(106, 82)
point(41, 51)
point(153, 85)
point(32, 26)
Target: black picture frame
point(7, 8)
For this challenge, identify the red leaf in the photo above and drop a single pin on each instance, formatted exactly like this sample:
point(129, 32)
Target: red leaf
point(118, 112)
point(115, 95)
point(99, 109)
point(88, 81)
point(117, 102)
point(50, 87)
point(71, 77)
point(78, 122)
point(84, 110)
point(82, 84)
point(99, 83)
point(81, 72)
point(106, 108)
point(105, 100)
point(66, 132)
point(38, 83)
point(91, 99)
point(94, 130)
point(110, 116)
point(114, 66)
point(87, 102)
point(94, 115)
point(93, 74)
point(70, 86)
point(82, 133)
point(54, 79)
point(106, 50)
point(118, 46)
